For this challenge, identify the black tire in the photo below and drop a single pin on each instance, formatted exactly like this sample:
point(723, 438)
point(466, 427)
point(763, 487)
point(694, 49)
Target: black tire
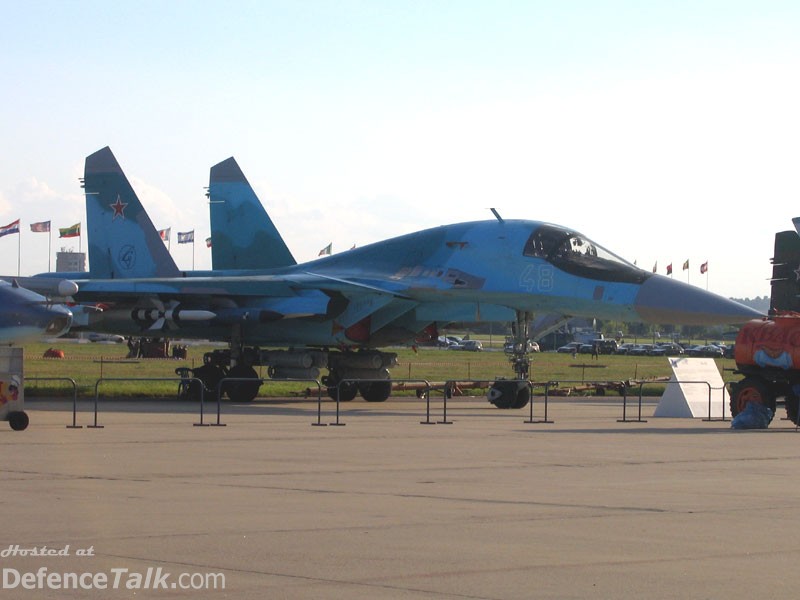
point(375, 391)
point(242, 391)
point(523, 397)
point(18, 420)
point(751, 389)
point(509, 394)
point(346, 391)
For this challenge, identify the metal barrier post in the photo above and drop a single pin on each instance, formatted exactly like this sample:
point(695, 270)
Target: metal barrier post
point(338, 400)
point(202, 401)
point(102, 379)
point(74, 396)
point(447, 387)
point(95, 425)
point(625, 418)
point(74, 406)
point(319, 422)
point(427, 420)
point(546, 398)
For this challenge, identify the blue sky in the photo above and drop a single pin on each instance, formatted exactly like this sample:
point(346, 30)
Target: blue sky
point(664, 131)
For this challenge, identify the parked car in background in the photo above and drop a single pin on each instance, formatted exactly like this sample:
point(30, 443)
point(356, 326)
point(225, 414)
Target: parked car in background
point(472, 346)
point(624, 348)
point(104, 337)
point(569, 348)
point(640, 350)
point(709, 351)
point(447, 341)
point(671, 348)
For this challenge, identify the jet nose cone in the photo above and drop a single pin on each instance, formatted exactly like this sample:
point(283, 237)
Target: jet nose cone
point(663, 300)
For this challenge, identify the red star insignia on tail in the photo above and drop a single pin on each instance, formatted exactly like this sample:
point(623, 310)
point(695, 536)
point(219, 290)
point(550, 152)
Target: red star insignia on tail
point(119, 208)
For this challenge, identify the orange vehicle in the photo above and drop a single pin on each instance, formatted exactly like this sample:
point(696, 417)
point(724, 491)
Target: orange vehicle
point(767, 351)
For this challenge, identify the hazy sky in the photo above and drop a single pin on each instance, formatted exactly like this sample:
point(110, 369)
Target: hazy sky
point(664, 131)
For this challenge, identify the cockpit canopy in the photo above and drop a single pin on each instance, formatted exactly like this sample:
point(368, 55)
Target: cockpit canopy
point(573, 253)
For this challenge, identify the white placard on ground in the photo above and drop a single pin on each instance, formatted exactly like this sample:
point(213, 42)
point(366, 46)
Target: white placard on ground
point(682, 398)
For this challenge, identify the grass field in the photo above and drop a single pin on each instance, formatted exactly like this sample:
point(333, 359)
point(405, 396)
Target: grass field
point(86, 363)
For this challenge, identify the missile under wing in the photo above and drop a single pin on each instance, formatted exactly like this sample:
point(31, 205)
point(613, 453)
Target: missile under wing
point(394, 291)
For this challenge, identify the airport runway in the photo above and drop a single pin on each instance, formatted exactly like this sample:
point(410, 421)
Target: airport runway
point(488, 507)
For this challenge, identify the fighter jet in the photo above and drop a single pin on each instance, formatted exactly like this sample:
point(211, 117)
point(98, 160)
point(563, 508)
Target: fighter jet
point(26, 315)
point(337, 312)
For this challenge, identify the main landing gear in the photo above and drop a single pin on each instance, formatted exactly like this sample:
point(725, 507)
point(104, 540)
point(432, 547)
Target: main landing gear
point(364, 372)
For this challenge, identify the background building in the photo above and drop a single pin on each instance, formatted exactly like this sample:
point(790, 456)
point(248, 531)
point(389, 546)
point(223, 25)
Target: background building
point(68, 261)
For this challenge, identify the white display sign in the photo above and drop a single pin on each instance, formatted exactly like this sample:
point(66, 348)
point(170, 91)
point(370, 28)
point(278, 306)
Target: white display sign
point(686, 394)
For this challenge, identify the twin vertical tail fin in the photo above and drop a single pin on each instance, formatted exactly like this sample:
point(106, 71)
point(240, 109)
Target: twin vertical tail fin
point(123, 243)
point(242, 234)
point(785, 280)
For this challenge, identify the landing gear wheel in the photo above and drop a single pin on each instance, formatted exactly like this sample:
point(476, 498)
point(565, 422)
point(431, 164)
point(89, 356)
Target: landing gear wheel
point(242, 391)
point(509, 394)
point(345, 391)
point(751, 389)
point(523, 397)
point(375, 391)
point(18, 420)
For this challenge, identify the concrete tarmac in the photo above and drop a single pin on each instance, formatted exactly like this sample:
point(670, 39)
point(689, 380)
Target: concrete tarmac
point(488, 507)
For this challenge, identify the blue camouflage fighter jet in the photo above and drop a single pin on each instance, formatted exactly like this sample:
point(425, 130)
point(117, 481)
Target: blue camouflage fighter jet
point(337, 312)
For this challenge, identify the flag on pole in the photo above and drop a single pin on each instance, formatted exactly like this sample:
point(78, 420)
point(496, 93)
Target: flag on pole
point(164, 233)
point(10, 228)
point(68, 232)
point(186, 237)
point(686, 265)
point(669, 269)
point(326, 250)
point(42, 227)
point(208, 242)
point(704, 268)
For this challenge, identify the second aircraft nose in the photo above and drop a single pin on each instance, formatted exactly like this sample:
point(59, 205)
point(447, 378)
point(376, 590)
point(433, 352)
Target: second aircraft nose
point(664, 300)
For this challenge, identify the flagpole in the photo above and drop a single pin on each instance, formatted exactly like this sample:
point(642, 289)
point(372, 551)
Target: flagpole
point(19, 250)
point(49, 246)
point(192, 250)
